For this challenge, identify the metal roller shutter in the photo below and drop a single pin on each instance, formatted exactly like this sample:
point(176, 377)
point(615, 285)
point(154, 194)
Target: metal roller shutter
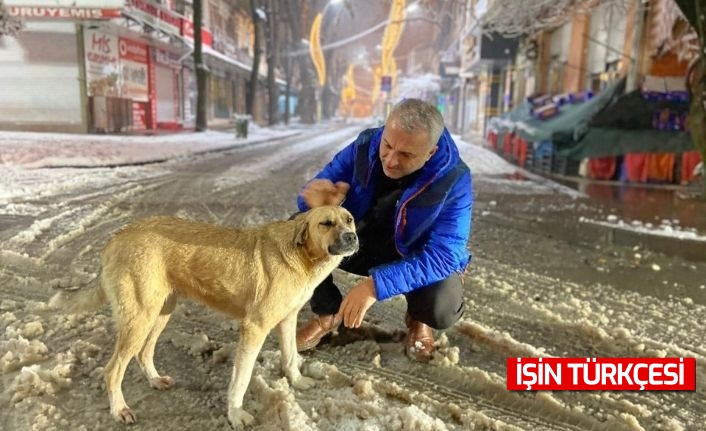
point(40, 76)
point(166, 95)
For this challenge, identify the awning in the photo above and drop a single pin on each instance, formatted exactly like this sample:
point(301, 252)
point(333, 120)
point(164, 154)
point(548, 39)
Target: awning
point(572, 119)
point(602, 142)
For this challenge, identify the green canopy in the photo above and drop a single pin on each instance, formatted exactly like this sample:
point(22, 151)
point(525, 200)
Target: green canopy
point(571, 116)
point(603, 141)
point(624, 126)
point(508, 121)
point(610, 124)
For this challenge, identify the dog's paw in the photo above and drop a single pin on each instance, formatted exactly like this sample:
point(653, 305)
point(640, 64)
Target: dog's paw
point(162, 383)
point(303, 383)
point(125, 415)
point(238, 418)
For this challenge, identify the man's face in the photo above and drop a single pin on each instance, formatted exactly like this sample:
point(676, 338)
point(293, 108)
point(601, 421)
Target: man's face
point(403, 153)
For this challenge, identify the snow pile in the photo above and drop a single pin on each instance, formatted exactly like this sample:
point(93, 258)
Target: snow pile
point(18, 352)
point(445, 355)
point(33, 381)
point(359, 402)
point(491, 169)
point(281, 410)
point(40, 150)
point(667, 228)
point(482, 161)
point(502, 340)
point(425, 87)
point(18, 346)
point(196, 344)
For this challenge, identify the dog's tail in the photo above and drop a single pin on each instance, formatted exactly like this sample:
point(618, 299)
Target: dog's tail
point(77, 302)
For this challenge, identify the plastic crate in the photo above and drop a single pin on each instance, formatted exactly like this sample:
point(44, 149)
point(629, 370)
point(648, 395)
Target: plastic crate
point(543, 155)
point(565, 165)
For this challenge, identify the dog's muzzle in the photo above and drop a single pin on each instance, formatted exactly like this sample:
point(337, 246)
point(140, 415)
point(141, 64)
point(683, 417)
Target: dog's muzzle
point(346, 244)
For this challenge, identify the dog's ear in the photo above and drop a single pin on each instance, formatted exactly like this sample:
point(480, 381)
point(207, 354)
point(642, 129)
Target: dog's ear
point(300, 230)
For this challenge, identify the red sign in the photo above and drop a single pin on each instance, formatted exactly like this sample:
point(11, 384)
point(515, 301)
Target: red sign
point(165, 20)
point(139, 116)
point(187, 30)
point(610, 374)
point(63, 12)
point(152, 121)
point(134, 70)
point(131, 50)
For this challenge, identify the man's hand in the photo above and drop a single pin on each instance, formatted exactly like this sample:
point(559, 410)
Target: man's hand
point(320, 192)
point(356, 303)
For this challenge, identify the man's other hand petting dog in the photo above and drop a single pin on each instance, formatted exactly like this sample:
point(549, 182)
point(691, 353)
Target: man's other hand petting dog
point(259, 275)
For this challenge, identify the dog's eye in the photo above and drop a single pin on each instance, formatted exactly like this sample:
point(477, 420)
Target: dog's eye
point(328, 223)
point(349, 220)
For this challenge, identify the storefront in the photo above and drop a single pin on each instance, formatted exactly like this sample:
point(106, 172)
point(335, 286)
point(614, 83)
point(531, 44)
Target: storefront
point(40, 83)
point(168, 90)
point(79, 68)
point(42, 69)
point(171, 93)
point(117, 81)
point(485, 64)
point(605, 46)
point(135, 79)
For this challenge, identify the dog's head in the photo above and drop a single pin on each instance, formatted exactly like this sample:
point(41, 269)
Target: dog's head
point(326, 230)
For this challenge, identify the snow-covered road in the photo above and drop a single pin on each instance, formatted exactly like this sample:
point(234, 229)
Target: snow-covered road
point(528, 293)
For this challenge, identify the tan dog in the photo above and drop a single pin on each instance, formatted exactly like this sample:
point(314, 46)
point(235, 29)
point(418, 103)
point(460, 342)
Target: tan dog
point(261, 275)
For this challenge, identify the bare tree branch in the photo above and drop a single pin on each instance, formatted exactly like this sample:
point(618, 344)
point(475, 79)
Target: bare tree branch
point(9, 25)
point(511, 18)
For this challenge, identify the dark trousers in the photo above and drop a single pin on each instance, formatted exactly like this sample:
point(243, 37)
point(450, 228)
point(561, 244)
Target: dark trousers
point(438, 305)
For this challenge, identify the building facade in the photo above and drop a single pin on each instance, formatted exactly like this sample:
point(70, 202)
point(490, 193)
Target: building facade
point(586, 51)
point(120, 66)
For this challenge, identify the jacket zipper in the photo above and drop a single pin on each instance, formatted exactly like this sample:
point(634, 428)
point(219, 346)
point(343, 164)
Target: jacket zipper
point(401, 220)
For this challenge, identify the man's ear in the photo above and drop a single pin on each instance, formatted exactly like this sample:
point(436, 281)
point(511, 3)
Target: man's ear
point(300, 230)
point(433, 151)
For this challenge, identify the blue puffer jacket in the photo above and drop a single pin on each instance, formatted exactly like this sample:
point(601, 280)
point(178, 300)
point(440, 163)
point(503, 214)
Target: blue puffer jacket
point(432, 217)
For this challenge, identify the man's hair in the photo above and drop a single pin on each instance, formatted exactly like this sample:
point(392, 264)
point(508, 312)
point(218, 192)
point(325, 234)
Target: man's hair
point(415, 115)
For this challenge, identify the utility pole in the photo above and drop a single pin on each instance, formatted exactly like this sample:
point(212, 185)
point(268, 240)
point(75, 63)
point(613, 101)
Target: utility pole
point(201, 121)
point(257, 51)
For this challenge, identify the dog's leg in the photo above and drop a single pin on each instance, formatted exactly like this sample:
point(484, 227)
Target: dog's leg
point(131, 336)
point(146, 356)
point(287, 333)
point(251, 339)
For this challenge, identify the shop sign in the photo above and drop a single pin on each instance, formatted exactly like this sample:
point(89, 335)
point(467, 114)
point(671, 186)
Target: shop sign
point(102, 71)
point(62, 12)
point(134, 70)
point(64, 9)
point(154, 15)
point(187, 30)
point(166, 58)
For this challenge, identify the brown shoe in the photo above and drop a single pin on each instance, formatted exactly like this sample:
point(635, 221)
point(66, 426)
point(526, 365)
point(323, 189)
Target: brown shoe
point(419, 343)
point(310, 335)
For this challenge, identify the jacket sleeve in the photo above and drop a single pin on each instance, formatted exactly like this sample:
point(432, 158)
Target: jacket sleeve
point(444, 253)
point(338, 169)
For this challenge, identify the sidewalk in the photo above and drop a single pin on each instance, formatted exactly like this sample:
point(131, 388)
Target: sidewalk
point(52, 150)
